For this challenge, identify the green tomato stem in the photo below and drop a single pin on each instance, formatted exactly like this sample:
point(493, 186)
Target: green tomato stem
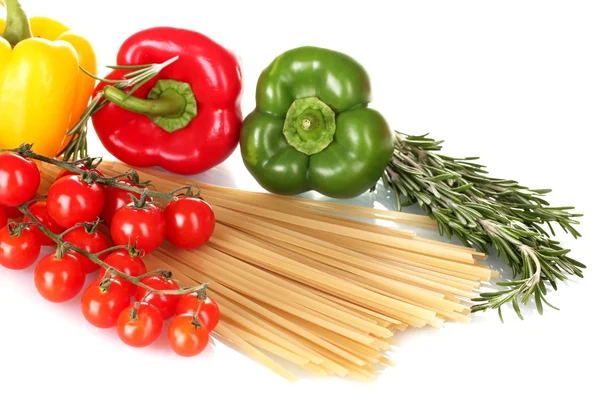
point(15, 229)
point(60, 250)
point(113, 248)
point(161, 272)
point(25, 150)
point(94, 257)
point(71, 229)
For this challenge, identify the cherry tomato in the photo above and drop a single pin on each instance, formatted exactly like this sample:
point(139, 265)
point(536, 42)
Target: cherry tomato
point(82, 167)
point(142, 329)
point(102, 305)
point(92, 242)
point(115, 199)
point(40, 212)
point(72, 200)
point(13, 212)
point(3, 217)
point(122, 261)
point(18, 251)
point(209, 313)
point(190, 222)
point(19, 179)
point(165, 303)
point(145, 227)
point(59, 280)
point(187, 338)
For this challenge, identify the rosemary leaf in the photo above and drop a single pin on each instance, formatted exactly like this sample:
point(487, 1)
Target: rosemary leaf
point(487, 213)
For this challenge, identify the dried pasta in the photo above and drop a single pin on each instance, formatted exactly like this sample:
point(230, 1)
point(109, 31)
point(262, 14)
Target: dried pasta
point(305, 284)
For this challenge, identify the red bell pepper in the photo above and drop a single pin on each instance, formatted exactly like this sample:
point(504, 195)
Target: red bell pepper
point(187, 119)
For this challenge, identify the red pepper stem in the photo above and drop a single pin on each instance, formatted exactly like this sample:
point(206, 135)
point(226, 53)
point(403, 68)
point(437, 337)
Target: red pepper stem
point(17, 23)
point(169, 104)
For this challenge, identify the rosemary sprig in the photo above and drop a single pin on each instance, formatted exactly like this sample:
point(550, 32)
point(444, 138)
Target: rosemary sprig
point(483, 211)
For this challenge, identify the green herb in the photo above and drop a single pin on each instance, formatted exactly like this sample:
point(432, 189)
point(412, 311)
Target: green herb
point(480, 211)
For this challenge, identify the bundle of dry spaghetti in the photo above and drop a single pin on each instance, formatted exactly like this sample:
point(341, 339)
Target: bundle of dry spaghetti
point(299, 280)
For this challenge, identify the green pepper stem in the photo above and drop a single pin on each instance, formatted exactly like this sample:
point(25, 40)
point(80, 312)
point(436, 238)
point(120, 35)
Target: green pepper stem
point(306, 123)
point(169, 104)
point(17, 23)
point(309, 125)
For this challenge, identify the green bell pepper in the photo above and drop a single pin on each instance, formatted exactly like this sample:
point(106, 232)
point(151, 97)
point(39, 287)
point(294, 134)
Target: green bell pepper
point(311, 128)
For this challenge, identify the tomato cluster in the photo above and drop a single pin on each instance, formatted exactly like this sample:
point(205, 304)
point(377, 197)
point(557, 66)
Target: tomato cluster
point(74, 205)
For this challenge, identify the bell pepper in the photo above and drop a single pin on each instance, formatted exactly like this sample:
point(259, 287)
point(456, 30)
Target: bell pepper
point(42, 90)
point(312, 128)
point(186, 119)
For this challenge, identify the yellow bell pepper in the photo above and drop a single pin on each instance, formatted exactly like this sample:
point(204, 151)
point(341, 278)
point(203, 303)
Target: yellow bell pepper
point(42, 90)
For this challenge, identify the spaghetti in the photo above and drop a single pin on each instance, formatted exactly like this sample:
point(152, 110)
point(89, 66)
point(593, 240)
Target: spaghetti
point(306, 282)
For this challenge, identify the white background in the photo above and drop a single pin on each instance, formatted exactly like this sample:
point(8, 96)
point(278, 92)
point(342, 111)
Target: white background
point(514, 82)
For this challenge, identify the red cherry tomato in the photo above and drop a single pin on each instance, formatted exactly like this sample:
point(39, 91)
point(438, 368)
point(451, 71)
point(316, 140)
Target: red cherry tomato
point(209, 313)
point(19, 179)
point(185, 337)
point(139, 329)
point(165, 303)
point(72, 200)
point(18, 251)
point(145, 227)
point(13, 212)
point(187, 304)
point(92, 242)
point(122, 261)
point(102, 305)
point(3, 217)
point(40, 212)
point(59, 280)
point(115, 199)
point(190, 222)
point(82, 167)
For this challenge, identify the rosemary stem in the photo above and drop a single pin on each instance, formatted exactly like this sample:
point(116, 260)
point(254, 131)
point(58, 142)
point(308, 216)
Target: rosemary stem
point(486, 213)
